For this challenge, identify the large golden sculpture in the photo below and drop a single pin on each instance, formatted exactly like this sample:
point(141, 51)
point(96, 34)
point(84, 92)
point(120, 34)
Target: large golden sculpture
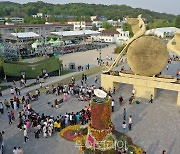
point(174, 44)
point(138, 28)
point(147, 56)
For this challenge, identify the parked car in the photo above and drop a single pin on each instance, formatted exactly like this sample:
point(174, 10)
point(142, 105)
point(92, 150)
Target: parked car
point(1, 142)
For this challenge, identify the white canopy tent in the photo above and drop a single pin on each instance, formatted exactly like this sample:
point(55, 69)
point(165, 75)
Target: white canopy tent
point(75, 33)
point(25, 35)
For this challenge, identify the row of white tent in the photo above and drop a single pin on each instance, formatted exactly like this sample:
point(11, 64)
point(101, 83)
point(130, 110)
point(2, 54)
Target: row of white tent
point(52, 42)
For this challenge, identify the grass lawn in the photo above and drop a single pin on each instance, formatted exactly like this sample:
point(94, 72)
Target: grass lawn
point(5, 87)
point(64, 72)
point(77, 77)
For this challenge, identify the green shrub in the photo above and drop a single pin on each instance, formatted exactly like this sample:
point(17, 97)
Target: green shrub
point(118, 49)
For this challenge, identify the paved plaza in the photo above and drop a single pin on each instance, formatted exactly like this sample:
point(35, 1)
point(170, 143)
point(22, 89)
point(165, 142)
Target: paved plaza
point(155, 126)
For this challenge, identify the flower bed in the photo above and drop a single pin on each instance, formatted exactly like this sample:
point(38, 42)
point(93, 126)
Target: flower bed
point(73, 133)
point(100, 115)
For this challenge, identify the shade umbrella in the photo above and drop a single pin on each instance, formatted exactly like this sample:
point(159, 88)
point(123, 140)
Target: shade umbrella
point(58, 40)
point(34, 45)
point(51, 40)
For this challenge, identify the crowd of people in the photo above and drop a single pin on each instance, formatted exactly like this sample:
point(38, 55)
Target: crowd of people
point(41, 125)
point(82, 92)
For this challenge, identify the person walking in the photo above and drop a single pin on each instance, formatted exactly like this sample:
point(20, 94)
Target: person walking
point(1, 107)
point(167, 67)
point(131, 99)
point(15, 105)
point(151, 99)
point(95, 79)
point(164, 152)
point(130, 122)
point(120, 100)
point(177, 73)
point(133, 92)
point(85, 78)
point(20, 150)
point(25, 135)
point(124, 127)
point(124, 114)
point(12, 91)
point(11, 102)
point(114, 90)
point(73, 80)
point(6, 103)
point(9, 118)
point(65, 96)
point(112, 105)
point(12, 116)
point(15, 150)
point(40, 84)
point(0, 92)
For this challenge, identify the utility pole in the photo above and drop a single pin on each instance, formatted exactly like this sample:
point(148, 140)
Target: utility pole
point(100, 50)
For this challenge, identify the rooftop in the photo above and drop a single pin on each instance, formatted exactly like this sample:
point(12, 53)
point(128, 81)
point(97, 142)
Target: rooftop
point(110, 32)
point(34, 25)
point(25, 35)
point(75, 33)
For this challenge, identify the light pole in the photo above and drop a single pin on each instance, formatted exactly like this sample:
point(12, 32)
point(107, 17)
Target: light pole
point(100, 57)
point(100, 49)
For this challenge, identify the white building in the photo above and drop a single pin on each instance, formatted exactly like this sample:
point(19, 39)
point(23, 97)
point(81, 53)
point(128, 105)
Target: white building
point(98, 24)
point(93, 18)
point(162, 32)
point(13, 19)
point(81, 25)
point(115, 23)
point(17, 19)
point(2, 19)
point(112, 36)
point(38, 15)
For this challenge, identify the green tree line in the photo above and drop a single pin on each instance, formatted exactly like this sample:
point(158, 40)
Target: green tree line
point(82, 10)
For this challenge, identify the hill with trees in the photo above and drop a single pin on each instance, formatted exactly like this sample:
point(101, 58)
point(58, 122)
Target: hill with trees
point(83, 10)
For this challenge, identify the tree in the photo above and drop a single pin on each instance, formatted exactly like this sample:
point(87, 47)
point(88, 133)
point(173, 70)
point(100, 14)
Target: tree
point(94, 27)
point(118, 49)
point(18, 30)
point(127, 27)
point(158, 23)
point(107, 25)
point(1, 67)
point(80, 9)
point(8, 20)
point(177, 21)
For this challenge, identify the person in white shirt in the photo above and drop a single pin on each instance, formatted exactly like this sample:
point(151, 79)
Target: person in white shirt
point(133, 92)
point(12, 91)
point(124, 127)
point(112, 105)
point(15, 150)
point(45, 131)
point(70, 119)
point(25, 135)
point(15, 105)
point(130, 122)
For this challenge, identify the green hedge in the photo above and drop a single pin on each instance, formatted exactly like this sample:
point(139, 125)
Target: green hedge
point(118, 49)
point(32, 70)
point(1, 67)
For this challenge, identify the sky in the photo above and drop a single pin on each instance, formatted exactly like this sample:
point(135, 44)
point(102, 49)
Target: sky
point(167, 6)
